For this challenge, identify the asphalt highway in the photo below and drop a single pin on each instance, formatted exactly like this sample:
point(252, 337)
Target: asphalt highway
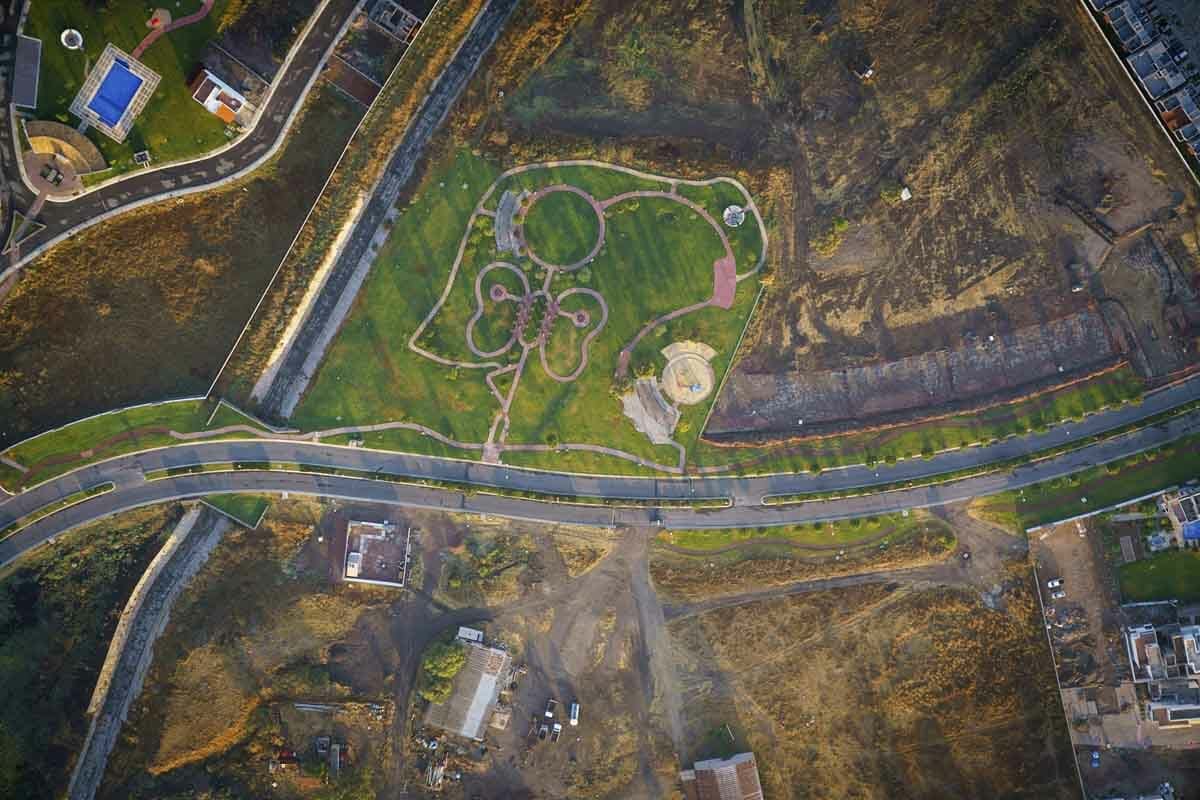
point(746, 494)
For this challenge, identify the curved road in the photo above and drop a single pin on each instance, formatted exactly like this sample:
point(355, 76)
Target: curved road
point(131, 490)
point(63, 219)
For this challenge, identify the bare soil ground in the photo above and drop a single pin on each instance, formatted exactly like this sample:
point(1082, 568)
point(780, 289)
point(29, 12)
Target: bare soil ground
point(937, 695)
point(1102, 706)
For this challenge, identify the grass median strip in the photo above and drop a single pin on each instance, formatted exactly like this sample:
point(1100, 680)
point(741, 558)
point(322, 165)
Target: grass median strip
point(437, 483)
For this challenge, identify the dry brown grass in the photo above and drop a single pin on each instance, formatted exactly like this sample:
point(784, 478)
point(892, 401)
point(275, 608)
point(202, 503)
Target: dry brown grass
point(244, 631)
point(580, 556)
point(753, 567)
point(882, 692)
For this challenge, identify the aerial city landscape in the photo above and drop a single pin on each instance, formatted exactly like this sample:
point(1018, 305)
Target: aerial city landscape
point(486, 399)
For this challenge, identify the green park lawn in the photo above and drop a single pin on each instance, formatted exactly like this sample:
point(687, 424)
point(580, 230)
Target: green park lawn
point(657, 257)
point(173, 125)
point(245, 509)
point(1173, 575)
point(561, 227)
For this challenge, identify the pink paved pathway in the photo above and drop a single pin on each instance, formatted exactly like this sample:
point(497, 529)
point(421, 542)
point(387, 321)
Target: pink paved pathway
point(154, 33)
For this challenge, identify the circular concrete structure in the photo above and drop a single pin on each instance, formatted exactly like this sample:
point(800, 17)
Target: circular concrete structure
point(71, 39)
point(734, 216)
point(688, 379)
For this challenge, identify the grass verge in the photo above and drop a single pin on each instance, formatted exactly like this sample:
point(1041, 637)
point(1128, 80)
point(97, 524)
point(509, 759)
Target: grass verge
point(1173, 575)
point(245, 509)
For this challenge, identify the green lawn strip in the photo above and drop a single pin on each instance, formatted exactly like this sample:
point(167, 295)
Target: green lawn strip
point(817, 534)
point(172, 125)
point(1173, 575)
point(107, 435)
point(47, 510)
point(245, 509)
point(1103, 486)
point(893, 444)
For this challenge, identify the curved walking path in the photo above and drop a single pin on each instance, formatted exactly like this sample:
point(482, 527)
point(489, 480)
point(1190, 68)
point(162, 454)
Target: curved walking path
point(175, 25)
point(725, 279)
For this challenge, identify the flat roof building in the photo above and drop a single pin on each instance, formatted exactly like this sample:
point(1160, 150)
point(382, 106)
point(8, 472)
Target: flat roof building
point(734, 778)
point(1156, 69)
point(474, 694)
point(1132, 23)
point(218, 97)
point(1181, 113)
point(376, 553)
point(26, 71)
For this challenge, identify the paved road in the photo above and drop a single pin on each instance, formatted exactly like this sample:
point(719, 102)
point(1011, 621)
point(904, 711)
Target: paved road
point(131, 491)
point(71, 217)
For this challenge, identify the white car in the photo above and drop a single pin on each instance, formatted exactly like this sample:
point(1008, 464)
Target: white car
point(1059, 595)
point(574, 716)
point(1054, 584)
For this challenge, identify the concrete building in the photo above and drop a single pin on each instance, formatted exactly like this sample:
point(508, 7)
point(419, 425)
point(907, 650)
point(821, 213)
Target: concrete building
point(474, 694)
point(1181, 114)
point(218, 97)
point(734, 778)
point(1156, 69)
point(1131, 21)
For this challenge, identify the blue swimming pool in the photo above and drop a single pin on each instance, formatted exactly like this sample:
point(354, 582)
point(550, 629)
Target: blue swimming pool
point(115, 93)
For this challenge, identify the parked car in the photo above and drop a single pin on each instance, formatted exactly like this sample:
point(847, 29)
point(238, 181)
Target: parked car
point(574, 718)
point(1054, 584)
point(1095, 758)
point(1059, 595)
point(551, 708)
point(557, 732)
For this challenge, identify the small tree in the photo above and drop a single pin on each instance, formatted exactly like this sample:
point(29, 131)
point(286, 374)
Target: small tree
point(441, 662)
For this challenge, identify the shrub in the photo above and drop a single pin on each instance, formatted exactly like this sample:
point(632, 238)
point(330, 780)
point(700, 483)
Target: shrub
point(439, 665)
point(827, 240)
point(889, 191)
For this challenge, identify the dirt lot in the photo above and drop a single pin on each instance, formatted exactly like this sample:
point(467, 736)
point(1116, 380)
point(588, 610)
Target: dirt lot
point(1102, 706)
point(937, 694)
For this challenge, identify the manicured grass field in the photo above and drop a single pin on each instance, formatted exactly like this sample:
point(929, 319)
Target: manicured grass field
point(1101, 486)
point(246, 509)
point(657, 257)
point(173, 125)
point(561, 227)
point(1173, 575)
